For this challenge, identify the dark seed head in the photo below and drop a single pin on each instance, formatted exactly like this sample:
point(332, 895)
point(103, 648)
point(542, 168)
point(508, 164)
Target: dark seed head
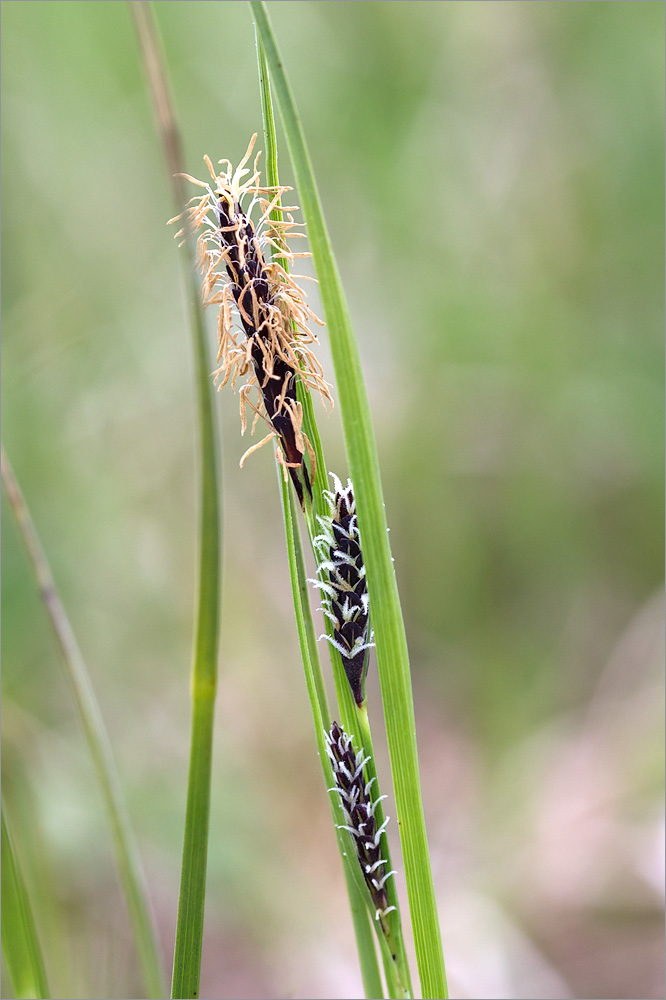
point(343, 585)
point(359, 809)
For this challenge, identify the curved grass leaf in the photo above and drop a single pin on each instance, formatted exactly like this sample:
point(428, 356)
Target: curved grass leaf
point(395, 958)
point(370, 974)
point(392, 654)
point(191, 901)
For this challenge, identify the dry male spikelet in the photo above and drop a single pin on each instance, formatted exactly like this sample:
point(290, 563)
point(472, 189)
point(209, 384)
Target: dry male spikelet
point(265, 298)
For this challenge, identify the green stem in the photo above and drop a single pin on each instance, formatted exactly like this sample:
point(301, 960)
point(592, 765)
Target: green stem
point(20, 944)
point(392, 654)
point(304, 624)
point(189, 927)
point(99, 746)
point(394, 956)
point(396, 938)
point(304, 602)
point(370, 975)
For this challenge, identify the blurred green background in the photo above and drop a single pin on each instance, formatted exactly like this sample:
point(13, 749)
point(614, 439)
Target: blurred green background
point(492, 176)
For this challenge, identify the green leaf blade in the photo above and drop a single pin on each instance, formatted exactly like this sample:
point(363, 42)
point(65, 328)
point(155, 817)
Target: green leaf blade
point(370, 975)
point(392, 654)
point(191, 900)
point(21, 949)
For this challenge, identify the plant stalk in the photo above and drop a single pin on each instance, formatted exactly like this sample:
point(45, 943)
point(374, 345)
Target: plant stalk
point(189, 928)
point(392, 654)
point(99, 746)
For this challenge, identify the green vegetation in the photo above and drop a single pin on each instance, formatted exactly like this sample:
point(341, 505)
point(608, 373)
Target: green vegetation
point(492, 181)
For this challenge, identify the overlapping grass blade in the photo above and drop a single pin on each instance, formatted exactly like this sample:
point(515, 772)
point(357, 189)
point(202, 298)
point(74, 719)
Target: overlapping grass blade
point(392, 655)
point(370, 974)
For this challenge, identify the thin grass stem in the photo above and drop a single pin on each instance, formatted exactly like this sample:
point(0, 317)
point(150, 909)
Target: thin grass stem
point(397, 938)
point(304, 601)
point(127, 855)
point(370, 974)
point(21, 949)
point(189, 928)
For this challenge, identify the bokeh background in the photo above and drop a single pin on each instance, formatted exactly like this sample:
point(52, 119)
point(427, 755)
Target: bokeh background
point(492, 177)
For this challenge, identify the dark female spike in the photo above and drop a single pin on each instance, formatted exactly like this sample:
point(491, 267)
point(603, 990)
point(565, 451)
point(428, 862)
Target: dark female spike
point(343, 585)
point(359, 809)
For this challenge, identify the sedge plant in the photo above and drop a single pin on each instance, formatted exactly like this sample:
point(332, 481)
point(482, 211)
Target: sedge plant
point(391, 643)
point(265, 337)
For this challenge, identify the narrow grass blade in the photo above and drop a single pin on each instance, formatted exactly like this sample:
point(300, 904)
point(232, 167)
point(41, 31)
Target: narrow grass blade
point(21, 949)
point(98, 743)
point(189, 929)
point(302, 596)
point(396, 965)
point(392, 655)
point(365, 943)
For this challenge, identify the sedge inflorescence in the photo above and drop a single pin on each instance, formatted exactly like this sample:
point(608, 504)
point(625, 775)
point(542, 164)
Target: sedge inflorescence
point(359, 809)
point(263, 326)
point(343, 584)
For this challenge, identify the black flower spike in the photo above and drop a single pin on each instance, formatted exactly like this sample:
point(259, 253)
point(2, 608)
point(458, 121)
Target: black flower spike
point(343, 585)
point(359, 810)
point(269, 304)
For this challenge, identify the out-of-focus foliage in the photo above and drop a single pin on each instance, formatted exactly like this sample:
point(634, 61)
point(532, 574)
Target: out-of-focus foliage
point(492, 175)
